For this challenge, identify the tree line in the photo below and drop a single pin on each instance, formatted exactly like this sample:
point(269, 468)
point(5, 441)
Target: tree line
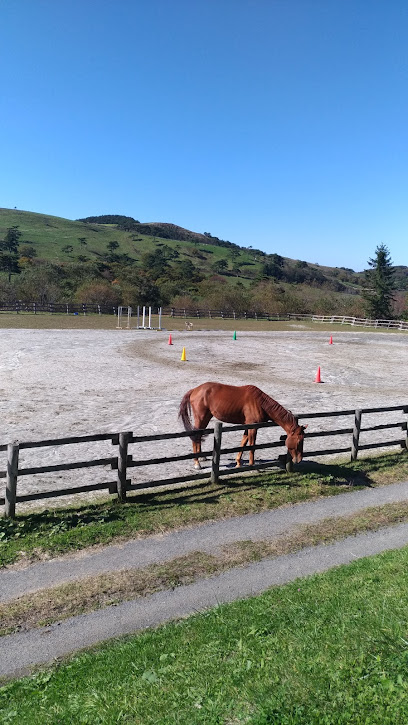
point(163, 277)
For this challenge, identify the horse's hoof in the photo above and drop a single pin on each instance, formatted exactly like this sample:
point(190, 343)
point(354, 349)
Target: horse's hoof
point(197, 466)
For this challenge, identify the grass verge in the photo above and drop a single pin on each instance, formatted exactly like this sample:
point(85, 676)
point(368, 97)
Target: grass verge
point(330, 649)
point(73, 598)
point(53, 532)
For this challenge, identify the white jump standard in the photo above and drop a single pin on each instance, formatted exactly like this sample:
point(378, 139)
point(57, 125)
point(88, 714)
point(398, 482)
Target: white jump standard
point(121, 311)
point(143, 326)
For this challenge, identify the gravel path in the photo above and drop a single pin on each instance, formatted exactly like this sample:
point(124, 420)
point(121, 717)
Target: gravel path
point(20, 652)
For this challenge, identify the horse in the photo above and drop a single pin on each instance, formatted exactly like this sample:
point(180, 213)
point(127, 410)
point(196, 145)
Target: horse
point(238, 404)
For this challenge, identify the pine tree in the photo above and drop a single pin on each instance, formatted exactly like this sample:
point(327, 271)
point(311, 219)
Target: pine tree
point(379, 294)
point(9, 252)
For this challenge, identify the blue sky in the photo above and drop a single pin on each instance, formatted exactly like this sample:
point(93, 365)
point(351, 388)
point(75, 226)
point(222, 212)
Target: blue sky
point(280, 124)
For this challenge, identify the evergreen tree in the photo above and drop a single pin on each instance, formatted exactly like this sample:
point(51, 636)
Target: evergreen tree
point(379, 294)
point(9, 252)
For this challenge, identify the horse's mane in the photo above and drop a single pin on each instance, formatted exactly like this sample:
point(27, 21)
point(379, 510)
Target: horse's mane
point(277, 412)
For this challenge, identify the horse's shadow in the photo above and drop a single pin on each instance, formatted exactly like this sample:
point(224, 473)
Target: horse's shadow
point(329, 475)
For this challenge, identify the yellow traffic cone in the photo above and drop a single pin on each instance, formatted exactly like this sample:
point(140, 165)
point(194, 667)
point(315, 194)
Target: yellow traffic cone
point(183, 354)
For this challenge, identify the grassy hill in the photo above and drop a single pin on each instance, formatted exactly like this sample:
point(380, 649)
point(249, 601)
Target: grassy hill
point(50, 236)
point(114, 259)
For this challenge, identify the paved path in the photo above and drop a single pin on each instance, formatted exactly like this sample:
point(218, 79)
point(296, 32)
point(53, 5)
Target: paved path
point(20, 652)
point(204, 537)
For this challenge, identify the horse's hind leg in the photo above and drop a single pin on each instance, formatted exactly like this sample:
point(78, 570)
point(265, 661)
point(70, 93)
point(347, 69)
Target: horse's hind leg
point(200, 422)
point(251, 442)
point(243, 444)
point(197, 450)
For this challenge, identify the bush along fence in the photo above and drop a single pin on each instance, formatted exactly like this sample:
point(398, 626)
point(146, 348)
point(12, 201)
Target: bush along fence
point(123, 461)
point(70, 308)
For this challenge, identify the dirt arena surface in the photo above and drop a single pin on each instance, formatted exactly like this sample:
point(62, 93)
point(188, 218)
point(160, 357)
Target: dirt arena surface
point(57, 383)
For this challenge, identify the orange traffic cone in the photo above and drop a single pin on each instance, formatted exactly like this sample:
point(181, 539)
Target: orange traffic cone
point(318, 378)
point(183, 354)
point(331, 340)
point(170, 342)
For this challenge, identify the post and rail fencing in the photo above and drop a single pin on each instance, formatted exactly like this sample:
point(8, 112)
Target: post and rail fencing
point(66, 308)
point(286, 317)
point(123, 461)
point(72, 308)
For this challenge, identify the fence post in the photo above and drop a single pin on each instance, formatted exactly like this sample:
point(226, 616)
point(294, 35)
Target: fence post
point(11, 483)
point(405, 428)
point(356, 434)
point(215, 465)
point(122, 464)
point(289, 463)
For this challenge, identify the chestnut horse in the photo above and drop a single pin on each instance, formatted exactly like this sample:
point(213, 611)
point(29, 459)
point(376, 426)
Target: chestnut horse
point(238, 404)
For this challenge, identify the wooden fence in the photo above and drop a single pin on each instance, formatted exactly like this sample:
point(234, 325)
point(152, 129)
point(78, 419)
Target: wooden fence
point(67, 308)
point(71, 308)
point(122, 461)
point(286, 316)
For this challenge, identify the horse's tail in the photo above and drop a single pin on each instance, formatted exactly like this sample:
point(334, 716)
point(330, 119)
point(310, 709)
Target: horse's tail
point(185, 415)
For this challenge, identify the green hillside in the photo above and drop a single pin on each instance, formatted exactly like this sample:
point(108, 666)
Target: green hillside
point(117, 259)
point(50, 235)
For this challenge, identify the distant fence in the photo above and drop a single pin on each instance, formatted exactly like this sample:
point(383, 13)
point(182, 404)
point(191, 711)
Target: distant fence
point(361, 321)
point(285, 316)
point(68, 308)
point(123, 461)
point(71, 308)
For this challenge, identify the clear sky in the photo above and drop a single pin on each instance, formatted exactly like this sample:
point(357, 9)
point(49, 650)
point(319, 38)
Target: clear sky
point(280, 124)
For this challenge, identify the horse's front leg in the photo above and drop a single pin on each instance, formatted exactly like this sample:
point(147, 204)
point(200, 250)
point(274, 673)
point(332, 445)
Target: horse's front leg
point(251, 442)
point(243, 444)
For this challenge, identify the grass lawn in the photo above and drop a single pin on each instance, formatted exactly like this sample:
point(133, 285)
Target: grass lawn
point(331, 649)
point(56, 531)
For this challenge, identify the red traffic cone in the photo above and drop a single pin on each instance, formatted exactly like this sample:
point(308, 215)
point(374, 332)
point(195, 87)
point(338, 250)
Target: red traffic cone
point(331, 340)
point(170, 342)
point(318, 378)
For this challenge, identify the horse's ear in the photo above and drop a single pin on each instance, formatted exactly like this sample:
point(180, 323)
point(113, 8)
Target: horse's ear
point(305, 426)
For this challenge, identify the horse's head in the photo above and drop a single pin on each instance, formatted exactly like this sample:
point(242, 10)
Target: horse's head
point(294, 443)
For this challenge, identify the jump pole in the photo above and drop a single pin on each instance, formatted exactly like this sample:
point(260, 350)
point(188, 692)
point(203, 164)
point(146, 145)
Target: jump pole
point(120, 316)
point(147, 317)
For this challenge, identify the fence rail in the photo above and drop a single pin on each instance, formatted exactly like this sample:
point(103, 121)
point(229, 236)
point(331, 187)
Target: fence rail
point(124, 461)
point(71, 308)
point(68, 308)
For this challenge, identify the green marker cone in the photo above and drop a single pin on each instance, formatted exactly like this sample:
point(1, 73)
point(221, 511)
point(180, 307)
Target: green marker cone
point(234, 337)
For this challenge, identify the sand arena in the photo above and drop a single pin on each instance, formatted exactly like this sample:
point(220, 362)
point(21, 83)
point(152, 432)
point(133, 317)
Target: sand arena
point(57, 383)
